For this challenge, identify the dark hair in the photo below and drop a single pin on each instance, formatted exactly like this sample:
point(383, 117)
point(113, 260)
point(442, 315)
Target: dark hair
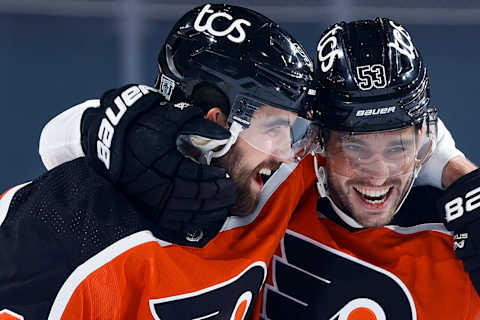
point(207, 95)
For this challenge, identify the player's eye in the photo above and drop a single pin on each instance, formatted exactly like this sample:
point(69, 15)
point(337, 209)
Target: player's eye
point(353, 148)
point(397, 149)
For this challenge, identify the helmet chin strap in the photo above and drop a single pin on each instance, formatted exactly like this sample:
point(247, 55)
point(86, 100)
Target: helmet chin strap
point(209, 154)
point(322, 187)
point(416, 170)
point(205, 147)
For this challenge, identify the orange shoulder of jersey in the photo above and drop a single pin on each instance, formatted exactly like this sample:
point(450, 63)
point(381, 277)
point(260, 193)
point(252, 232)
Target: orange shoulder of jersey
point(323, 271)
point(141, 277)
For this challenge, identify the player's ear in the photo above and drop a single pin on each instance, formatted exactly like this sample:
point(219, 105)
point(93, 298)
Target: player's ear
point(216, 115)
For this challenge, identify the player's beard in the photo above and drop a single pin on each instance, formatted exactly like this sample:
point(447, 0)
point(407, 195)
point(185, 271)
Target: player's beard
point(341, 194)
point(242, 173)
point(246, 201)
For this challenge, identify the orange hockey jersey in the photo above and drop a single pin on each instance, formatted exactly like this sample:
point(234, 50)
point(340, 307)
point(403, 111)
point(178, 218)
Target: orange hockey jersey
point(71, 253)
point(325, 270)
point(71, 261)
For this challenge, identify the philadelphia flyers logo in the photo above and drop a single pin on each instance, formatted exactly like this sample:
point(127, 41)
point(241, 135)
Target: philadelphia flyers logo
point(229, 300)
point(313, 281)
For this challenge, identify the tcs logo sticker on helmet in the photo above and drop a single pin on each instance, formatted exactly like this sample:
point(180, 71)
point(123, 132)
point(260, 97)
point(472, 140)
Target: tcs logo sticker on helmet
point(208, 25)
point(403, 42)
point(327, 55)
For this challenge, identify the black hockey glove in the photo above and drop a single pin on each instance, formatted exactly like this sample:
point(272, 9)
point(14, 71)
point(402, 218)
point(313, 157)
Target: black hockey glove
point(460, 208)
point(131, 140)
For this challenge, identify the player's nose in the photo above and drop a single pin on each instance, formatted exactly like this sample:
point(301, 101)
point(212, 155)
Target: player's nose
point(378, 170)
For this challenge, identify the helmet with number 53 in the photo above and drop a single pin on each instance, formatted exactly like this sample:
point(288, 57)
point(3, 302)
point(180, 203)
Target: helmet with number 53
point(378, 125)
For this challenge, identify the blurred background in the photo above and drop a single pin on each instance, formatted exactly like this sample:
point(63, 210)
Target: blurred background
point(57, 53)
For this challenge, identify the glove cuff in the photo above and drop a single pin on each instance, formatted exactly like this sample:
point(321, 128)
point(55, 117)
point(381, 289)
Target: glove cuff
point(104, 129)
point(461, 202)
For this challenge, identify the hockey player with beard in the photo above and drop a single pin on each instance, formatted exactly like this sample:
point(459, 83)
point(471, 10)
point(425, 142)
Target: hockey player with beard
point(164, 237)
point(239, 236)
point(373, 247)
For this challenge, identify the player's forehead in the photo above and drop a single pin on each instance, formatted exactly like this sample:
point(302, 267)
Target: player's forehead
point(404, 134)
point(269, 113)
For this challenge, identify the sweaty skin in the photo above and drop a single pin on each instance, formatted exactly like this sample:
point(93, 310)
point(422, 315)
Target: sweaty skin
point(456, 168)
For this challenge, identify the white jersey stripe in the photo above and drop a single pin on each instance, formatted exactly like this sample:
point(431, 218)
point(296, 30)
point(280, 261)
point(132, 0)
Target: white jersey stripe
point(268, 189)
point(92, 264)
point(439, 227)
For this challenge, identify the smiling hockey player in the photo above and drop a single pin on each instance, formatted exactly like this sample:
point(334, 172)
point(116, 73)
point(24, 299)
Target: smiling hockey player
point(373, 247)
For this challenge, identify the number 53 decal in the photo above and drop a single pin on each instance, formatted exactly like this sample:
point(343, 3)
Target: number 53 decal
point(371, 76)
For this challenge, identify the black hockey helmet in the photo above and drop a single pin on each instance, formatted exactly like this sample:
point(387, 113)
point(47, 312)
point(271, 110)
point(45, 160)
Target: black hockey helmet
point(247, 56)
point(373, 103)
point(371, 77)
point(243, 53)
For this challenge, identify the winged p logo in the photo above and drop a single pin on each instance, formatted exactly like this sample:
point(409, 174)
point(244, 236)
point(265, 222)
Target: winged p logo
point(313, 281)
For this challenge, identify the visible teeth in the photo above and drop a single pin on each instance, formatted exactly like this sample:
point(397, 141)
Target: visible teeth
point(266, 171)
point(373, 201)
point(373, 195)
point(372, 192)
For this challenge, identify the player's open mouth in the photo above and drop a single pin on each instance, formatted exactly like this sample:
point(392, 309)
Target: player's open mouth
point(265, 174)
point(373, 197)
point(262, 176)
